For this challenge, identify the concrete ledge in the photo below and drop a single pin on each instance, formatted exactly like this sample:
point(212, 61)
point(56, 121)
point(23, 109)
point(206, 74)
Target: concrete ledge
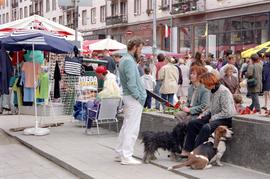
point(250, 146)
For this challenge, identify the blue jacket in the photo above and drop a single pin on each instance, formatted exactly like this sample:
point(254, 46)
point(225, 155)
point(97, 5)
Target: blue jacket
point(130, 79)
point(266, 76)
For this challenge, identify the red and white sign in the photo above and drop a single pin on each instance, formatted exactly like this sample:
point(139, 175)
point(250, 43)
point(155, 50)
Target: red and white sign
point(167, 31)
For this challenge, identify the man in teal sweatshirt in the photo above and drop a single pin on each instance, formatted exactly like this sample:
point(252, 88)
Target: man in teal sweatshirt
point(134, 96)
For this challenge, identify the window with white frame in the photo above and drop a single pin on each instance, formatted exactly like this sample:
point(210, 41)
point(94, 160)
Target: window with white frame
point(61, 21)
point(54, 19)
point(114, 9)
point(149, 4)
point(123, 8)
point(21, 13)
point(137, 7)
point(4, 18)
point(7, 17)
point(53, 5)
point(30, 9)
point(102, 13)
point(47, 5)
point(25, 11)
point(93, 15)
point(84, 17)
point(165, 3)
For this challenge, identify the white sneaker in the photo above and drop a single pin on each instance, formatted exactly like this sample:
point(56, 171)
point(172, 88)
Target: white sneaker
point(130, 161)
point(117, 159)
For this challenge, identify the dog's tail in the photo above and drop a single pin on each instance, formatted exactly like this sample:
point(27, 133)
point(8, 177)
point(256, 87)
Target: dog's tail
point(188, 162)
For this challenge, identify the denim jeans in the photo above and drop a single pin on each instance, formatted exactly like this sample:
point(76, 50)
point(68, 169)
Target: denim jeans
point(148, 102)
point(156, 91)
point(255, 101)
point(168, 97)
point(4, 101)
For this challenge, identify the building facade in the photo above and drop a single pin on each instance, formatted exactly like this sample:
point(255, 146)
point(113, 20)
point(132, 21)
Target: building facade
point(194, 25)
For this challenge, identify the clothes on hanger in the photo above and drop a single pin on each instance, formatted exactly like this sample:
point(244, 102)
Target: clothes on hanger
point(43, 87)
point(6, 71)
point(57, 78)
point(28, 69)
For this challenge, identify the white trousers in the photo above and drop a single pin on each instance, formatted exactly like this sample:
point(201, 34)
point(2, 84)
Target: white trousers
point(130, 128)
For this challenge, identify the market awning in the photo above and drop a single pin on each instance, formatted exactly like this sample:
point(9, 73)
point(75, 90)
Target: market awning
point(107, 44)
point(40, 23)
point(264, 47)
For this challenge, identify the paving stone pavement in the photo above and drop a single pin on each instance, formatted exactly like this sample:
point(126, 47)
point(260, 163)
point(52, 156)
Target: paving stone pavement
point(91, 156)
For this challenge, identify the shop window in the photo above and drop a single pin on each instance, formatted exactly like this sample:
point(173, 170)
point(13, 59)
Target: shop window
point(261, 21)
point(248, 36)
point(224, 25)
point(213, 27)
point(248, 22)
point(185, 39)
point(236, 23)
point(236, 37)
point(224, 38)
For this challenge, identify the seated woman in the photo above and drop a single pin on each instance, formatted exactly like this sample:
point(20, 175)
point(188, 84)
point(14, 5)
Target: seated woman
point(220, 112)
point(230, 81)
point(198, 97)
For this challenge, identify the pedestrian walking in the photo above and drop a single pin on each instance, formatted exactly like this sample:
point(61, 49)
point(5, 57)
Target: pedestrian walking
point(161, 62)
point(169, 75)
point(134, 96)
point(254, 82)
point(266, 79)
point(149, 83)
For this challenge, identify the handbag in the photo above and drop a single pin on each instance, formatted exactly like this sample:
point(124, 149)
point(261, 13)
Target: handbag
point(73, 66)
point(252, 82)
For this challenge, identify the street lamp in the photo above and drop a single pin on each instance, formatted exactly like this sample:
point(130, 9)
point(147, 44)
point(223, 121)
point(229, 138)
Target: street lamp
point(154, 47)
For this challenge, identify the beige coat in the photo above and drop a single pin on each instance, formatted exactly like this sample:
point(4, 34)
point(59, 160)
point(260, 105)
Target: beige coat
point(169, 75)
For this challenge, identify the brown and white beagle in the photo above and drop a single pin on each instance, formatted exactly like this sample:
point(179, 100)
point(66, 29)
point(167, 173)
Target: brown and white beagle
point(209, 152)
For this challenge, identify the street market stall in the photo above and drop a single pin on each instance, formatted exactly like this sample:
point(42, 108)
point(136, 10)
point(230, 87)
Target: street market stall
point(34, 40)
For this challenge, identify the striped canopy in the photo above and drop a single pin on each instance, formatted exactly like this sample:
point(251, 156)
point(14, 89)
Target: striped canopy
point(40, 40)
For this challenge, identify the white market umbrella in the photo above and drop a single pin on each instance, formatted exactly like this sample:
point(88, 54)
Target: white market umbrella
point(108, 44)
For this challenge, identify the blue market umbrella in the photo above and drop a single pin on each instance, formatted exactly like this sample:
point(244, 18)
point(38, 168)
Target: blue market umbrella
point(41, 40)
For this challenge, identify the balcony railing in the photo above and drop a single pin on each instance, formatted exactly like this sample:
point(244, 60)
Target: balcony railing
point(187, 6)
point(116, 20)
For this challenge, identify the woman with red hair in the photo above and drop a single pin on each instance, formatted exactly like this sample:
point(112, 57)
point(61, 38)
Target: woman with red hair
point(198, 96)
point(220, 112)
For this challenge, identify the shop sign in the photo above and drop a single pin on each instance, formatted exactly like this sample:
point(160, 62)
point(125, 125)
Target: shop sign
point(88, 81)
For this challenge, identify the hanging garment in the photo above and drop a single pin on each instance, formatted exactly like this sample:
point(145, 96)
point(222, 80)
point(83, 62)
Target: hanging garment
point(6, 71)
point(17, 58)
point(73, 66)
point(28, 69)
point(38, 56)
point(57, 78)
point(17, 92)
point(43, 87)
